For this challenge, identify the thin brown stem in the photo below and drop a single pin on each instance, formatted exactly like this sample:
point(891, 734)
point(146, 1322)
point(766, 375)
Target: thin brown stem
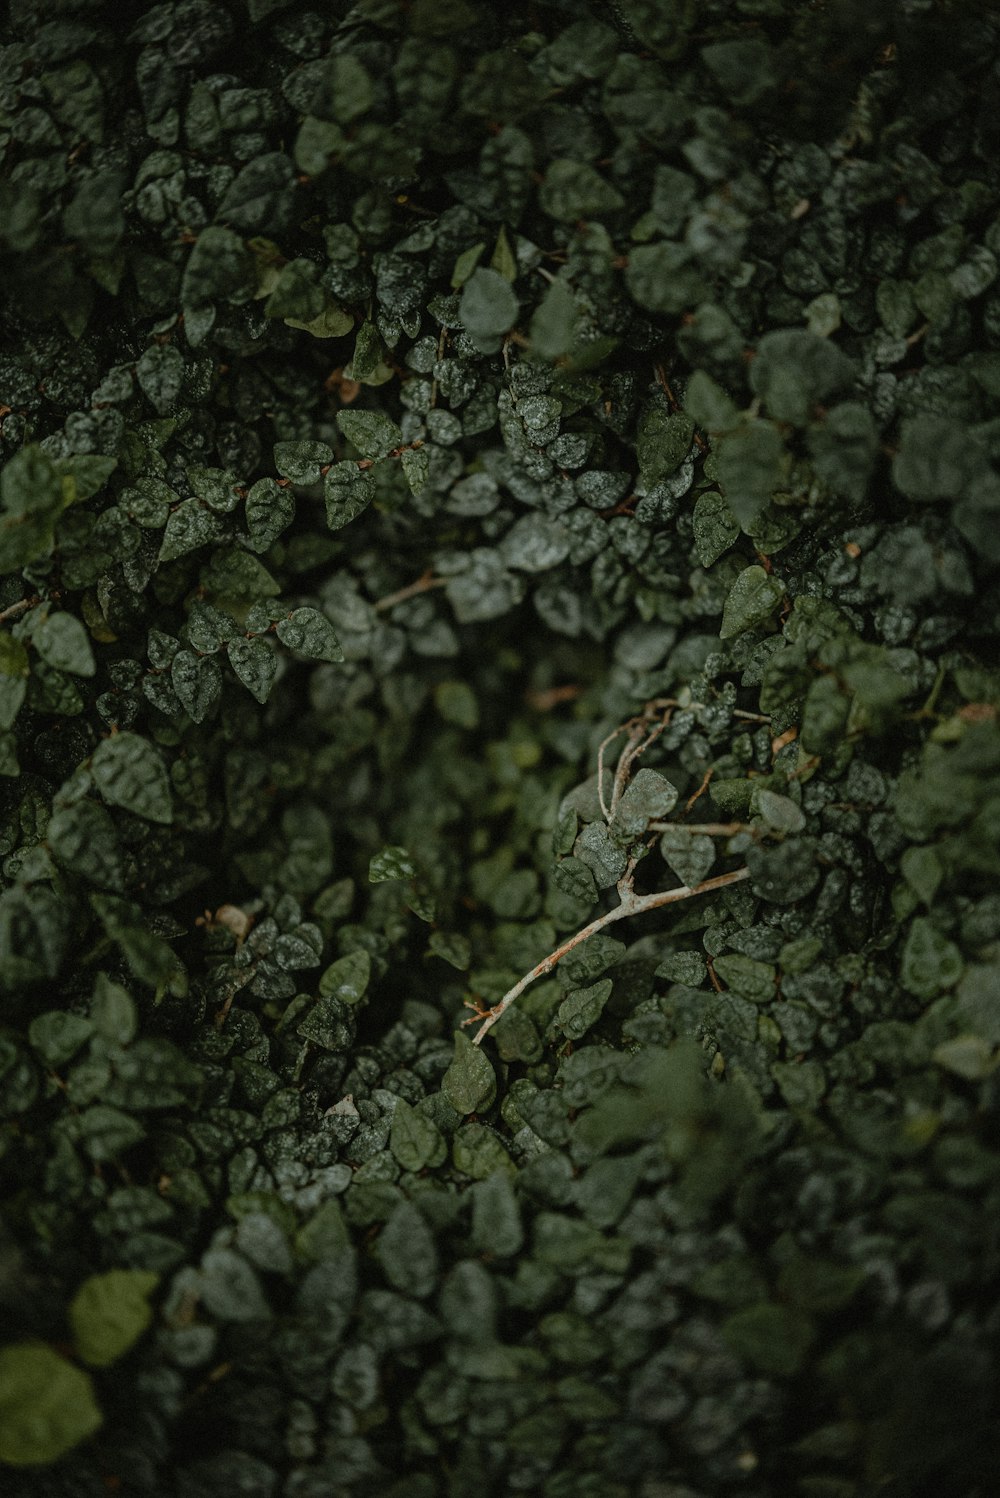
point(600, 767)
point(12, 610)
point(700, 791)
point(629, 904)
point(422, 584)
point(705, 829)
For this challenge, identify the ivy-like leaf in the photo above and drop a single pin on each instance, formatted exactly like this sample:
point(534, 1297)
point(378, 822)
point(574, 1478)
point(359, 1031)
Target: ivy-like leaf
point(469, 1084)
point(391, 863)
point(110, 1312)
point(753, 598)
point(129, 772)
point(63, 642)
point(488, 308)
point(47, 1406)
point(197, 680)
point(311, 634)
point(191, 525)
point(373, 434)
point(255, 664)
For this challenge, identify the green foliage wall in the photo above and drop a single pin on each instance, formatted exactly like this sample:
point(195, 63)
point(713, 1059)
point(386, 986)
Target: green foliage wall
point(395, 399)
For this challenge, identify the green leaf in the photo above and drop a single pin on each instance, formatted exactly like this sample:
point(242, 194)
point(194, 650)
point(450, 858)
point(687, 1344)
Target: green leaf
point(843, 448)
point(218, 487)
point(824, 716)
point(781, 813)
point(746, 977)
point(793, 370)
point(496, 1217)
point(317, 144)
point(715, 527)
point(129, 772)
point(346, 91)
point(488, 308)
point(104, 1132)
point(466, 264)
point(745, 67)
point(470, 1083)
point(662, 444)
point(752, 600)
point(347, 492)
point(774, 1339)
point(329, 1024)
point(31, 496)
point(347, 979)
point(603, 857)
point(302, 462)
point(46, 1405)
point(14, 672)
point(690, 855)
point(110, 1312)
point(368, 359)
point(149, 956)
point(191, 525)
point(197, 680)
point(113, 1012)
point(582, 1008)
point(573, 190)
point(931, 963)
point(416, 467)
point(255, 664)
point(311, 634)
point(270, 509)
point(415, 1140)
point(576, 879)
point(220, 267)
point(57, 1036)
point(452, 948)
point(63, 642)
point(391, 863)
point(160, 372)
point(554, 322)
point(967, 1056)
point(503, 258)
point(708, 403)
point(753, 464)
point(662, 278)
point(83, 839)
point(407, 1252)
point(936, 458)
point(647, 797)
point(373, 434)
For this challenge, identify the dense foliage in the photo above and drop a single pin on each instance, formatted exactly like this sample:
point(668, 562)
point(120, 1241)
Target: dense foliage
point(397, 398)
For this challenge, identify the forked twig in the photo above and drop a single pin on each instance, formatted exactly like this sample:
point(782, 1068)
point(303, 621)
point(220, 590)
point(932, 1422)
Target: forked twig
point(629, 904)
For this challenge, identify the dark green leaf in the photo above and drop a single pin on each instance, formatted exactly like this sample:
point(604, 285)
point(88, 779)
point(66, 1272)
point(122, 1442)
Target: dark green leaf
point(372, 433)
point(62, 642)
point(469, 1084)
point(110, 1312)
point(129, 772)
point(255, 664)
point(488, 308)
point(311, 634)
point(47, 1406)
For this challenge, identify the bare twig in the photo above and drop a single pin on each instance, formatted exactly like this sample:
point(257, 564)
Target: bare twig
point(629, 904)
point(12, 610)
point(700, 791)
point(640, 736)
point(600, 767)
point(705, 829)
point(422, 584)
